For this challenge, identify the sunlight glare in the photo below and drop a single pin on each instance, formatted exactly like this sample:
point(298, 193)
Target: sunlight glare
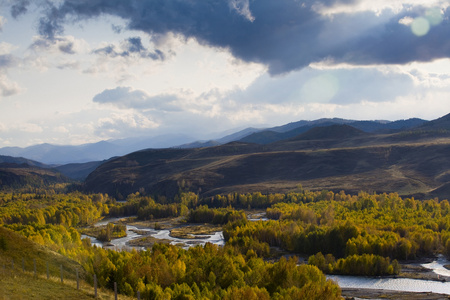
point(420, 26)
point(434, 16)
point(321, 88)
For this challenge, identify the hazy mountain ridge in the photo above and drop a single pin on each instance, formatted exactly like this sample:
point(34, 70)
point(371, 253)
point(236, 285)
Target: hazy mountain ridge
point(336, 157)
point(291, 130)
point(67, 154)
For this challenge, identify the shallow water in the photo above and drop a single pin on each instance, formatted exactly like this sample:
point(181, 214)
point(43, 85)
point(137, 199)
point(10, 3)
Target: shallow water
point(438, 266)
point(394, 284)
point(122, 243)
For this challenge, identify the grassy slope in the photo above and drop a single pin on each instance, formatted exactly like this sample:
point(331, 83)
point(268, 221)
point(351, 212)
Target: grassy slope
point(410, 163)
point(16, 284)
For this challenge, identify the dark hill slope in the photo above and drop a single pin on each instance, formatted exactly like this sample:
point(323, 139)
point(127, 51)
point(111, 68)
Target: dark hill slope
point(21, 161)
point(337, 157)
point(331, 132)
point(14, 176)
point(78, 171)
point(333, 158)
point(291, 130)
point(442, 123)
point(269, 136)
point(380, 126)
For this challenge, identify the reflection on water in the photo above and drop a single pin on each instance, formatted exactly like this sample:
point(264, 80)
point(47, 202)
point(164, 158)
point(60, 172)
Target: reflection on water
point(216, 238)
point(132, 233)
point(258, 217)
point(438, 266)
point(394, 284)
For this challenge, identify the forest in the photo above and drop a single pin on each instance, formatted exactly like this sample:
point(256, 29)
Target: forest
point(324, 233)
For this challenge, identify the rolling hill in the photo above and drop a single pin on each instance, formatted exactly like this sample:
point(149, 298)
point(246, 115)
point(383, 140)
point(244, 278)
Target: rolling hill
point(102, 150)
point(16, 176)
point(337, 157)
point(291, 130)
point(18, 253)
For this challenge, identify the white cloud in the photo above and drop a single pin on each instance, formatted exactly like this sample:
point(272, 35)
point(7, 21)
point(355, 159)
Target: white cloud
point(60, 44)
point(123, 125)
point(6, 48)
point(243, 8)
point(30, 128)
point(65, 52)
point(8, 87)
point(61, 129)
point(407, 21)
point(377, 6)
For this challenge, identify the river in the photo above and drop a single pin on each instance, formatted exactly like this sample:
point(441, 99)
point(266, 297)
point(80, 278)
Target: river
point(395, 284)
point(134, 232)
point(400, 284)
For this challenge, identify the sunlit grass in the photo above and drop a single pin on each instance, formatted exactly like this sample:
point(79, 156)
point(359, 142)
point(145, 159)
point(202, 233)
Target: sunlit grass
point(18, 281)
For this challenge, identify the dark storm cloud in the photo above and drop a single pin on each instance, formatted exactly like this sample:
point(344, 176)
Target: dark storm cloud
point(19, 7)
point(284, 35)
point(129, 47)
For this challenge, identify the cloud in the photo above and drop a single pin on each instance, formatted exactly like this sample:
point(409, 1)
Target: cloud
point(7, 61)
point(30, 128)
point(62, 44)
point(61, 129)
point(8, 87)
point(20, 7)
point(243, 8)
point(126, 97)
point(342, 84)
point(122, 125)
point(285, 35)
point(62, 52)
point(2, 23)
point(130, 47)
point(377, 7)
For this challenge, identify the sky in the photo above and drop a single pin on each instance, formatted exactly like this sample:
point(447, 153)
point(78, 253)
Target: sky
point(81, 71)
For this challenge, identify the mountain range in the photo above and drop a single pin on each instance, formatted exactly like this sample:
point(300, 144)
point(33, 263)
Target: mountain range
point(413, 161)
point(68, 154)
point(407, 156)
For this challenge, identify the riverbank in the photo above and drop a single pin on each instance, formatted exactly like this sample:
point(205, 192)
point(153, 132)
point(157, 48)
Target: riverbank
point(418, 278)
point(418, 271)
point(371, 294)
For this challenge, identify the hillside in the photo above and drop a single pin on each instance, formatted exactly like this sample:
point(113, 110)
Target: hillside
point(102, 150)
point(18, 253)
point(442, 123)
point(16, 284)
point(21, 161)
point(15, 176)
point(337, 157)
point(78, 171)
point(331, 132)
point(291, 130)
